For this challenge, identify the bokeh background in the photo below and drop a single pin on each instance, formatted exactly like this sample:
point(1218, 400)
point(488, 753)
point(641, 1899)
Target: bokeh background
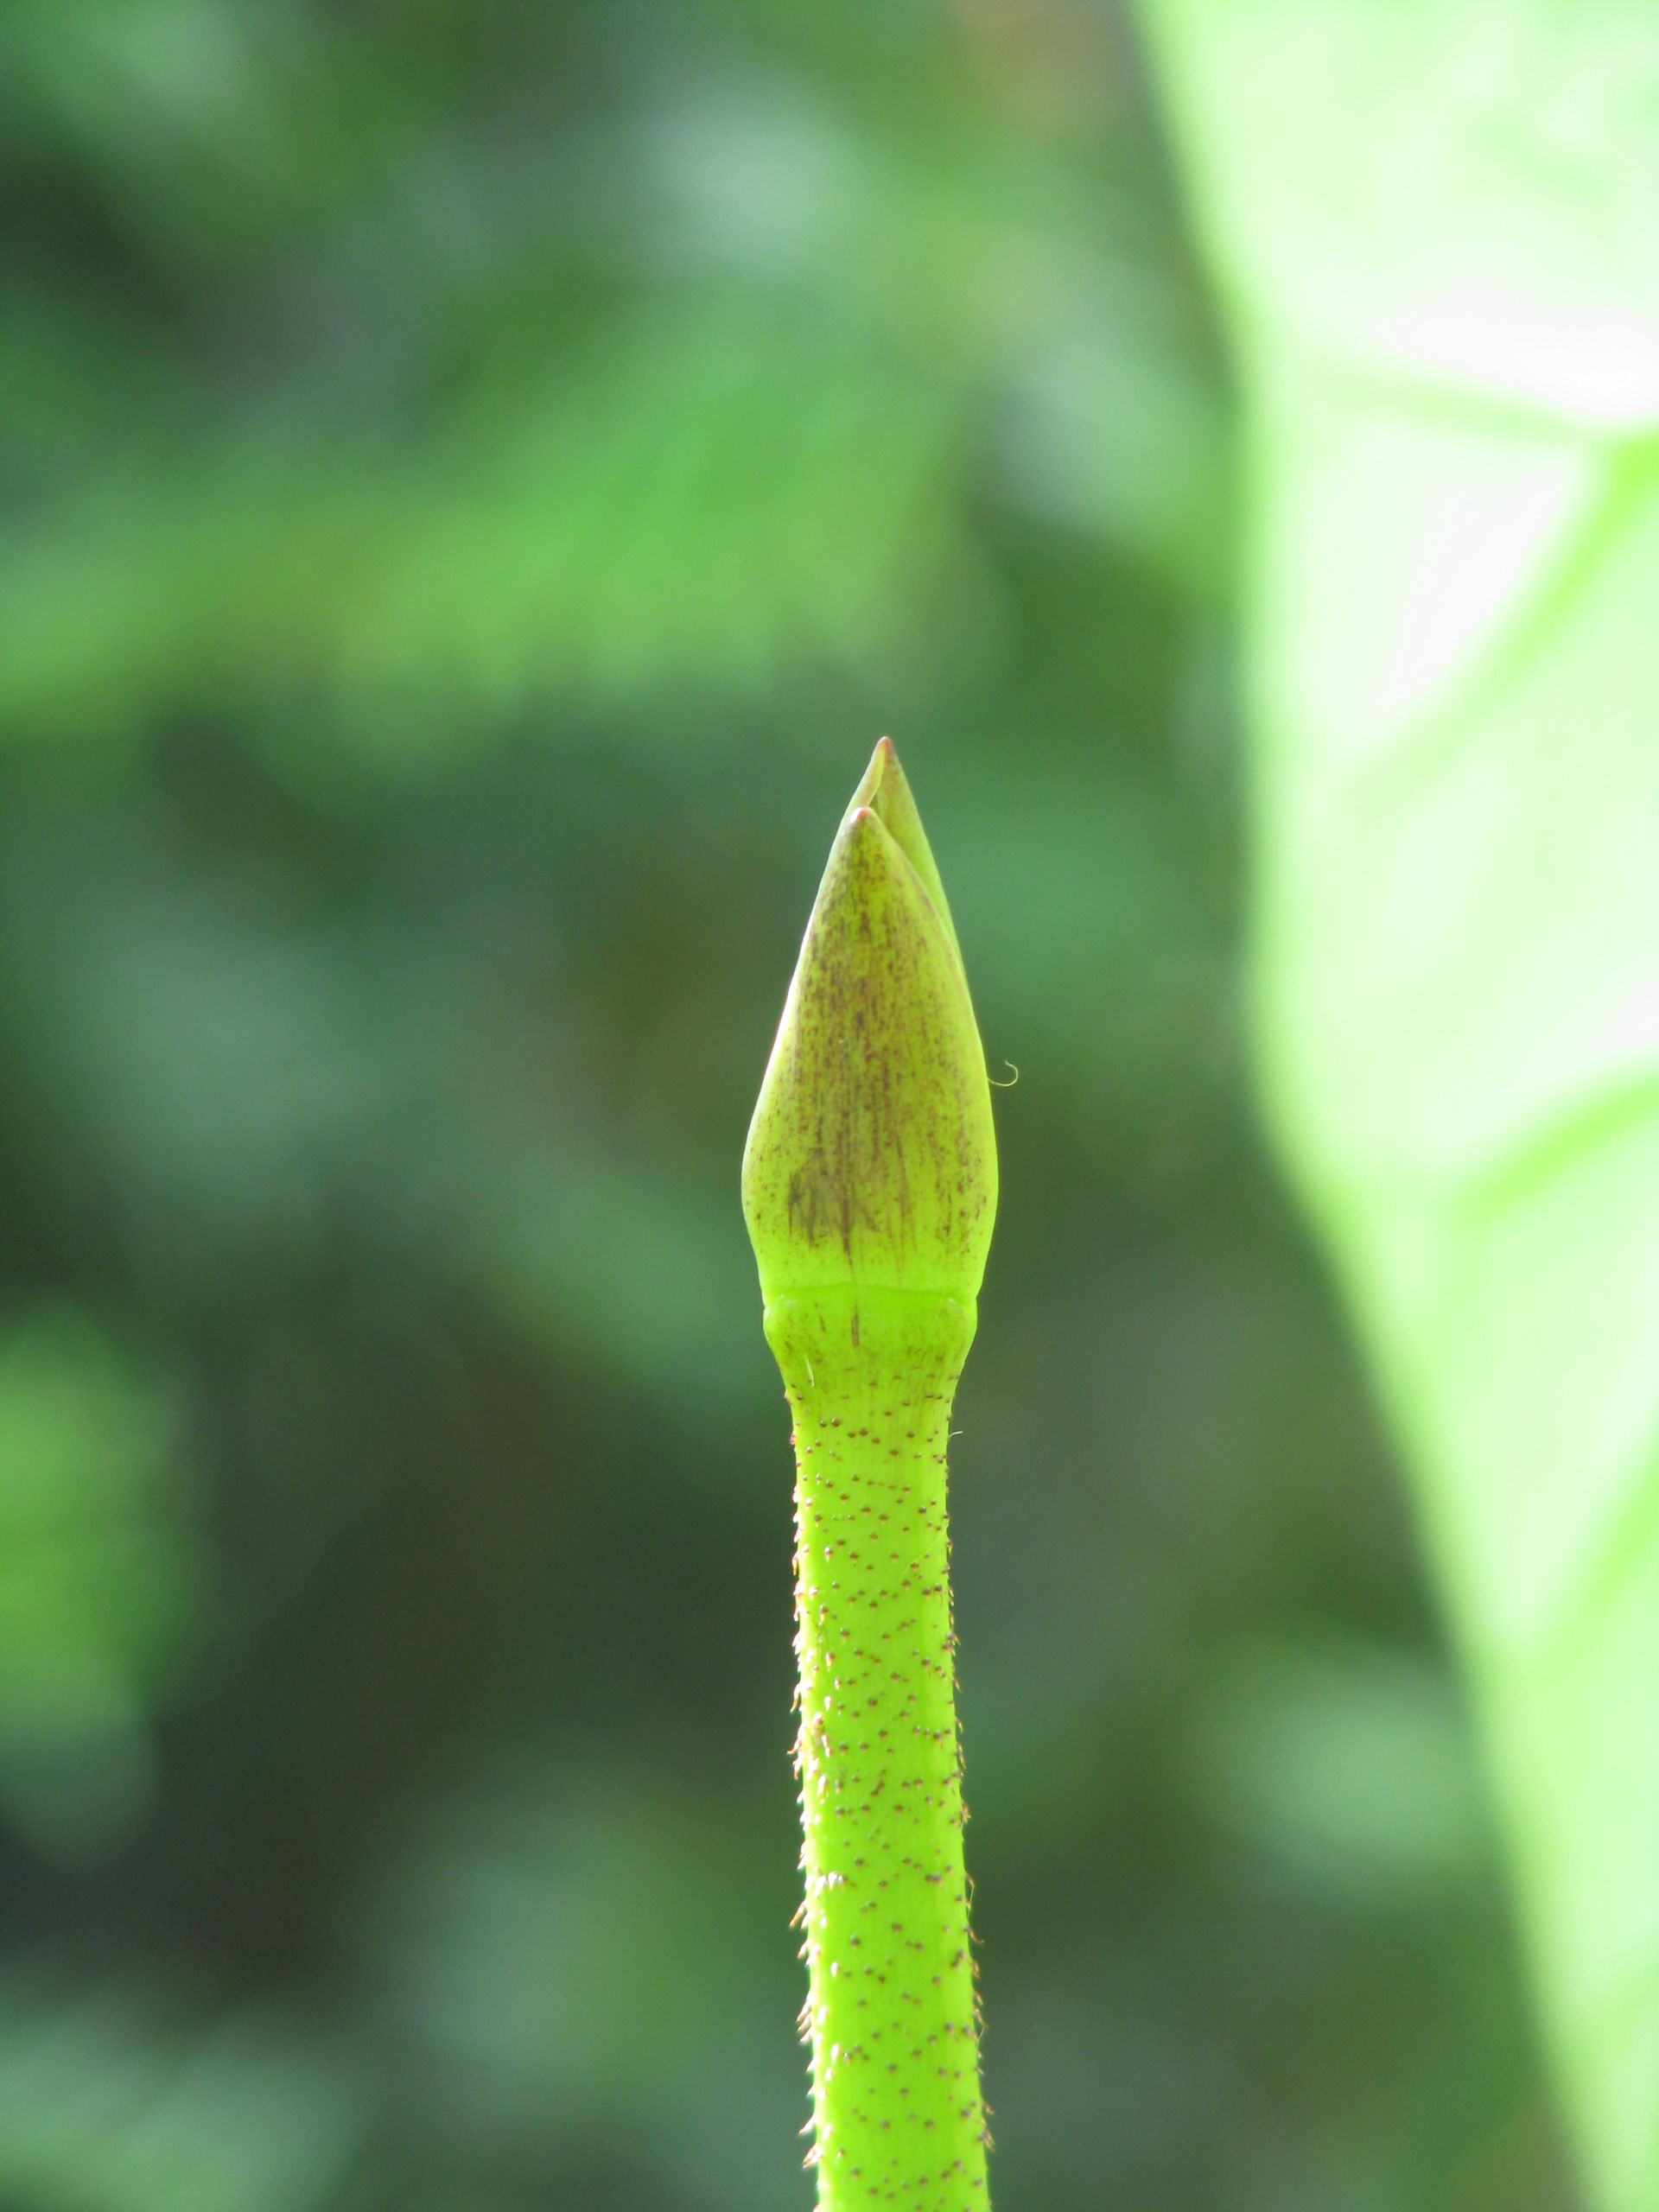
point(477, 479)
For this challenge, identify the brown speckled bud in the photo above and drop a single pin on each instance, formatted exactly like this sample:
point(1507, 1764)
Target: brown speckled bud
point(871, 1158)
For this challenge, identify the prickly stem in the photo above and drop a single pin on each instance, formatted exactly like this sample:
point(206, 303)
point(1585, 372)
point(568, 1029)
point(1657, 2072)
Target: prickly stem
point(869, 1188)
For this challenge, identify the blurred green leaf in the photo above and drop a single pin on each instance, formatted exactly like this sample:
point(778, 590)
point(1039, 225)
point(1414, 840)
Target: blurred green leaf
point(99, 1581)
point(699, 496)
point(115, 2103)
point(557, 1957)
point(1436, 227)
point(1348, 1766)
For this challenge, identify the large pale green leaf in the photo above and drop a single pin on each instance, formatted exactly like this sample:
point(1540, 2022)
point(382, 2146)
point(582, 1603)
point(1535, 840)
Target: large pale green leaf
point(1437, 225)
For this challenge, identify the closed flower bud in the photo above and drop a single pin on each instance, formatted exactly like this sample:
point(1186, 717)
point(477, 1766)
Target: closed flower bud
point(871, 1161)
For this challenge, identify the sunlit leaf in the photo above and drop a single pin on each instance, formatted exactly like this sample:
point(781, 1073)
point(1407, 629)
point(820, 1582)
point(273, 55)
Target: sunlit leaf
point(1436, 225)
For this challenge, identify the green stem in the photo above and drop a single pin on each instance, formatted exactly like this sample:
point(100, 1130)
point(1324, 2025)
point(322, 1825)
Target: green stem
point(898, 2115)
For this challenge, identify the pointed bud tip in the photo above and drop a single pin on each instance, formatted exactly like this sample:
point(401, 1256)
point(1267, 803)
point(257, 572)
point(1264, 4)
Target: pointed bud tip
point(884, 762)
point(885, 790)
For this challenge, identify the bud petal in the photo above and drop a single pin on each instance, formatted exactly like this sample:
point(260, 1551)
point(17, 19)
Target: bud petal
point(872, 1158)
point(885, 789)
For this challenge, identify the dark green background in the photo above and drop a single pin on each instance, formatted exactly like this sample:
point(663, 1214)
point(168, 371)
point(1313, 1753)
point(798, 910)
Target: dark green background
point(477, 479)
